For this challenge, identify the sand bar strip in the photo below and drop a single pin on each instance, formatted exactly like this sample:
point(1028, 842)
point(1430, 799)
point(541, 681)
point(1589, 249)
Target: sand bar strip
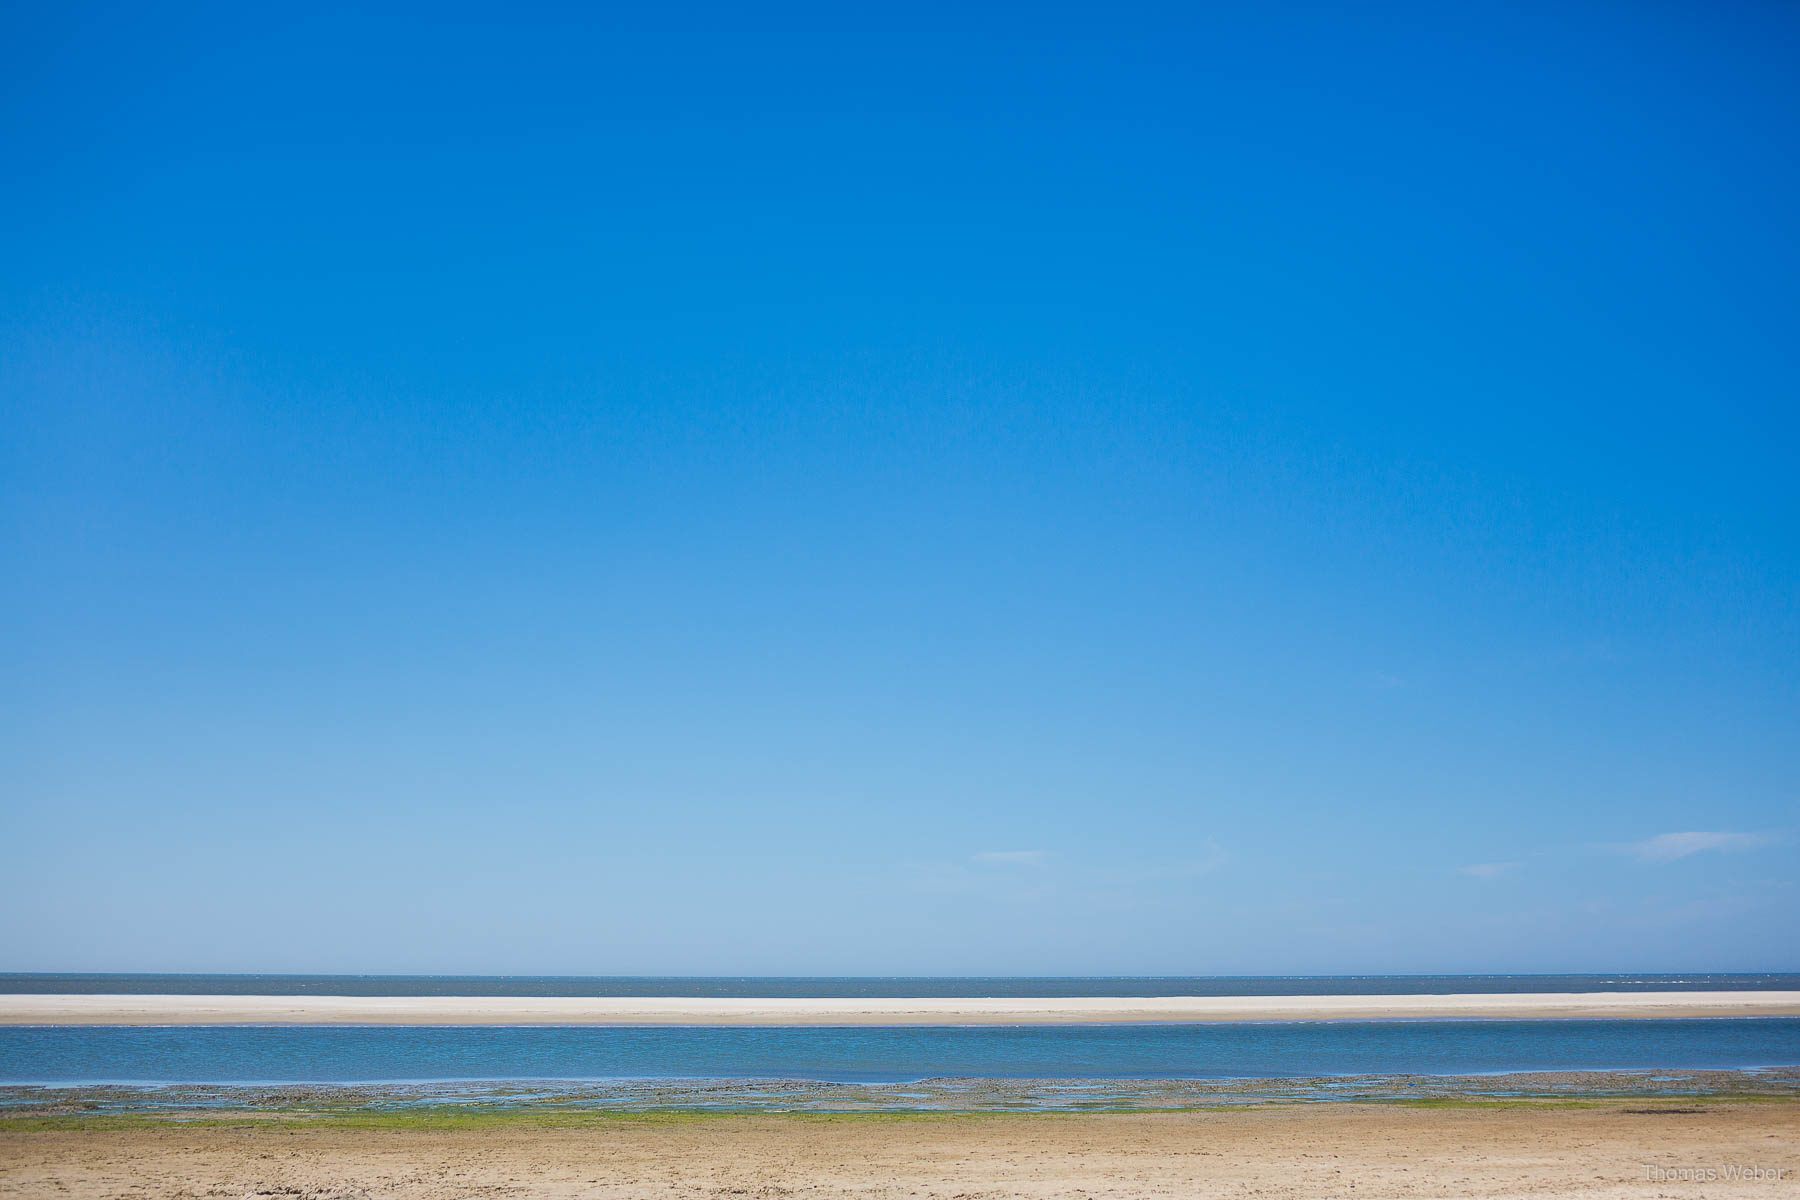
point(688, 1010)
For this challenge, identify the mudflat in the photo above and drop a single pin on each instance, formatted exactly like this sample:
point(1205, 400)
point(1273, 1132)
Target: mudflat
point(1629, 1148)
point(28, 1009)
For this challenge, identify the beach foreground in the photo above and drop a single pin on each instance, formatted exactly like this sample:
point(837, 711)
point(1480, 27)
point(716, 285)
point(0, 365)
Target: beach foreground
point(1598, 1148)
point(27, 1009)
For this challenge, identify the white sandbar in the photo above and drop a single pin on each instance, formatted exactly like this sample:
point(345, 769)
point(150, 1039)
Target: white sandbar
point(684, 1010)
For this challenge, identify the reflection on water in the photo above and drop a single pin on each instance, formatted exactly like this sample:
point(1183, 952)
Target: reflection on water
point(929, 1095)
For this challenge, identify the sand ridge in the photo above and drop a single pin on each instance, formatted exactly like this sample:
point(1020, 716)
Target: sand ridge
point(25, 1009)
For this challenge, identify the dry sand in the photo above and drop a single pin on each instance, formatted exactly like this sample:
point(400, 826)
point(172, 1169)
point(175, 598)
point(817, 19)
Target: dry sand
point(678, 1010)
point(1300, 1150)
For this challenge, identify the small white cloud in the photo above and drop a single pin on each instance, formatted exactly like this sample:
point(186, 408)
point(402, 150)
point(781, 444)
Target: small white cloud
point(1012, 857)
point(1667, 847)
point(1486, 870)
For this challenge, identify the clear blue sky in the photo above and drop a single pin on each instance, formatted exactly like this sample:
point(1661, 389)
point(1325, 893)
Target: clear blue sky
point(1276, 488)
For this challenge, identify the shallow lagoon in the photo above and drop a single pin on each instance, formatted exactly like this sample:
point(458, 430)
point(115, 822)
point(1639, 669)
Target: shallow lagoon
point(870, 1054)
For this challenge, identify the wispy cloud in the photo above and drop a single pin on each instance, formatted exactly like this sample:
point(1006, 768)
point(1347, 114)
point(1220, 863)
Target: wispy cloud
point(1486, 870)
point(1013, 857)
point(1667, 847)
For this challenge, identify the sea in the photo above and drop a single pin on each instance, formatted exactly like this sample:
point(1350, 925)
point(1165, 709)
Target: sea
point(873, 985)
point(613, 1064)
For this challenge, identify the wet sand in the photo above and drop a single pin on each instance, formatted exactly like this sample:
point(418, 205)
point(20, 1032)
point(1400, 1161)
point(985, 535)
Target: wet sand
point(682, 1010)
point(1613, 1150)
point(497, 1099)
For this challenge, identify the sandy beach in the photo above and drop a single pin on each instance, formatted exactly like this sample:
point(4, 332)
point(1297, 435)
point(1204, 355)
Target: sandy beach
point(1615, 1149)
point(632, 1010)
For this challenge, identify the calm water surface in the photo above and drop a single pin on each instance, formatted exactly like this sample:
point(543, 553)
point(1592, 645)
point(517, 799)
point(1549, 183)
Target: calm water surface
point(346, 1054)
point(899, 985)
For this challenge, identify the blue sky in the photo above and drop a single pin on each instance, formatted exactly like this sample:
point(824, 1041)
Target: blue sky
point(1264, 489)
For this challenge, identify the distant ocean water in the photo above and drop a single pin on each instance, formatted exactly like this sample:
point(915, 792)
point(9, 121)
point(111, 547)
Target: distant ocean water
point(898, 986)
point(1255, 1050)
